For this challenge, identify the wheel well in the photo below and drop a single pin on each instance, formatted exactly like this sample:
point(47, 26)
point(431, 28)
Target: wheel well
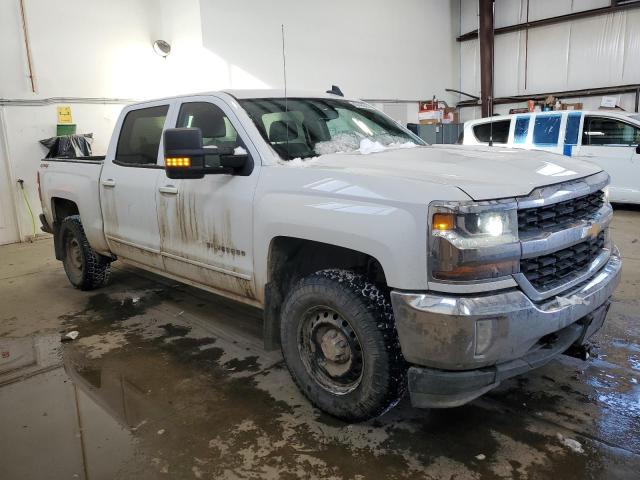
point(63, 208)
point(291, 259)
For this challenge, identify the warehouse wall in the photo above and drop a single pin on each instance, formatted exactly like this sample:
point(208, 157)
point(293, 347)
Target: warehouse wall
point(594, 52)
point(370, 48)
point(91, 49)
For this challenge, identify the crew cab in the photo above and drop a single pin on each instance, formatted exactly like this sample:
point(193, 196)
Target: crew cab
point(380, 262)
point(610, 139)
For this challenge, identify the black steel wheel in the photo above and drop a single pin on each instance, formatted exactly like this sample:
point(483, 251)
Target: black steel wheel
point(330, 350)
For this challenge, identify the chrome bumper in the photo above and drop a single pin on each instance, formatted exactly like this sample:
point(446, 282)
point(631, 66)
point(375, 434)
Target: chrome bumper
point(453, 332)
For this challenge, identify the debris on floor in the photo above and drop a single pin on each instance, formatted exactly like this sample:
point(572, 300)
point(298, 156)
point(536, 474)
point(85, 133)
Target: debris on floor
point(69, 336)
point(570, 443)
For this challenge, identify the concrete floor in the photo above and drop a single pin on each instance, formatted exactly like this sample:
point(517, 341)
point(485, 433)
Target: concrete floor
point(168, 381)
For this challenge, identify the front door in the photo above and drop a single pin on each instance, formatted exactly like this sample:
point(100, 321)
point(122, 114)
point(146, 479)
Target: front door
point(611, 144)
point(128, 186)
point(206, 225)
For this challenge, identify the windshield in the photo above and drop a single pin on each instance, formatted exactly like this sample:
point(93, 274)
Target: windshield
point(307, 127)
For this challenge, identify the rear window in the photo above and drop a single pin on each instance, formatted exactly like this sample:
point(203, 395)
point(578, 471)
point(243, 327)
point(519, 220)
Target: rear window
point(140, 136)
point(546, 130)
point(499, 130)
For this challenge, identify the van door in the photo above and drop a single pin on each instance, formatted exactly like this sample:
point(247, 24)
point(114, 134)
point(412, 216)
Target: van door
point(128, 185)
point(611, 144)
point(206, 225)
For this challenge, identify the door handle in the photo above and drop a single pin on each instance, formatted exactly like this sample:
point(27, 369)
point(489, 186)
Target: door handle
point(169, 190)
point(109, 182)
point(588, 155)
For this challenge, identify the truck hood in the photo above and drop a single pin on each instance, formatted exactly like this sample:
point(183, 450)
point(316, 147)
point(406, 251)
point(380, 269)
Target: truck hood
point(483, 173)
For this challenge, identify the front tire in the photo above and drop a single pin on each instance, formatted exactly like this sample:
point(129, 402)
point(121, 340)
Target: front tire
point(85, 269)
point(340, 344)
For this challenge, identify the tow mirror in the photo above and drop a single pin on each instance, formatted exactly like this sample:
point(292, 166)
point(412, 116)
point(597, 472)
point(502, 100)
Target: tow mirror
point(186, 158)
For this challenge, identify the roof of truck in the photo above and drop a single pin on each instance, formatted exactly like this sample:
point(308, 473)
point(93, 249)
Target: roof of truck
point(278, 93)
point(245, 94)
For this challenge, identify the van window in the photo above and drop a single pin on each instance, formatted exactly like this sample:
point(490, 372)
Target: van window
point(607, 131)
point(140, 136)
point(546, 130)
point(498, 129)
point(572, 129)
point(521, 129)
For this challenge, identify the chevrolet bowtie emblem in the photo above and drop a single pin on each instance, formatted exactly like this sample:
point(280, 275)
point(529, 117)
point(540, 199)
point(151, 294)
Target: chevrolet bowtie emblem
point(593, 230)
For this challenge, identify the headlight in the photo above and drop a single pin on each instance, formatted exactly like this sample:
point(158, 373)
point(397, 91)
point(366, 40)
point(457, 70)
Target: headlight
point(473, 241)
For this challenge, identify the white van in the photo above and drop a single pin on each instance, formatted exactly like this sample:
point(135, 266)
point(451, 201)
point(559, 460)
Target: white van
point(608, 139)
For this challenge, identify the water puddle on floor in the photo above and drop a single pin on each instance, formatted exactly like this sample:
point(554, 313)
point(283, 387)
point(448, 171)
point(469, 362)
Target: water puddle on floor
point(151, 388)
point(52, 421)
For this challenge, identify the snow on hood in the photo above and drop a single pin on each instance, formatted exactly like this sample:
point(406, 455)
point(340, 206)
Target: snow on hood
point(482, 172)
point(354, 143)
point(342, 144)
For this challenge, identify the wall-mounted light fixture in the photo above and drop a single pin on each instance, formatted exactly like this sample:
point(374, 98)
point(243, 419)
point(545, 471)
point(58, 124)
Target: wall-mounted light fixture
point(162, 48)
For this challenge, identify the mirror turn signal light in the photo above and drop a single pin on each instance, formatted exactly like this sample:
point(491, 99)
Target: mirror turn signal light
point(443, 222)
point(179, 162)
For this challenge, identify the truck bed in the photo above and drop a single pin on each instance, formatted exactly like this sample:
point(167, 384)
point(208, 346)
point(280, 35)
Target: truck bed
point(74, 181)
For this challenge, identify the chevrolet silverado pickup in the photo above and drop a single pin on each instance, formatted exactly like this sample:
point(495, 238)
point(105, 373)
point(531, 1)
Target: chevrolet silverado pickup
point(381, 263)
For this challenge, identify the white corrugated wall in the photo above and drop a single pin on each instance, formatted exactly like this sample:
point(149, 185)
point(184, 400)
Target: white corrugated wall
point(599, 51)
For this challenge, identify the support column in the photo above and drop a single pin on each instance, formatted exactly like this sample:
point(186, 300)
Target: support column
point(485, 34)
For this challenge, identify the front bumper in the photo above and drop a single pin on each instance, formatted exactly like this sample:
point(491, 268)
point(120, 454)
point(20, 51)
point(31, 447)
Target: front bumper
point(443, 332)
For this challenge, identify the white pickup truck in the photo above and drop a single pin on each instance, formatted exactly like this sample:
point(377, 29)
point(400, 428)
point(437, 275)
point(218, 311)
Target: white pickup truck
point(381, 263)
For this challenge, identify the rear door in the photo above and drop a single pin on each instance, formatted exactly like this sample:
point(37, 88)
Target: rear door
point(206, 225)
point(128, 184)
point(611, 143)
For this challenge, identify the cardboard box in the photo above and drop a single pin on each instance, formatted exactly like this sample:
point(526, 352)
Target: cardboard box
point(429, 122)
point(572, 106)
point(450, 115)
point(430, 115)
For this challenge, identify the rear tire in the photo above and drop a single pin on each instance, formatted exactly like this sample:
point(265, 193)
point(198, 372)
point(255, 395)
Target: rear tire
point(340, 344)
point(85, 269)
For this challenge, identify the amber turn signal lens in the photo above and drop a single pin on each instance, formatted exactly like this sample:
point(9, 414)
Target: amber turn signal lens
point(443, 221)
point(177, 162)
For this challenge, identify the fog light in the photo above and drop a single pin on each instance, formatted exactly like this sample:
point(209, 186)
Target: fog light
point(484, 334)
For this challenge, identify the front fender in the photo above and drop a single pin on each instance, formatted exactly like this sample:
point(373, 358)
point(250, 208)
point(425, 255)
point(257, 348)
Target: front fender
point(395, 235)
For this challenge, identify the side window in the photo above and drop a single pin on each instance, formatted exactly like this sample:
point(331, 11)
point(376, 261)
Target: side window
point(608, 131)
point(498, 129)
point(521, 129)
point(546, 130)
point(217, 129)
point(140, 136)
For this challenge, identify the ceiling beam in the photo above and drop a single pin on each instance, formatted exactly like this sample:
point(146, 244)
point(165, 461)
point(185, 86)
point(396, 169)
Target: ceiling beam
point(613, 8)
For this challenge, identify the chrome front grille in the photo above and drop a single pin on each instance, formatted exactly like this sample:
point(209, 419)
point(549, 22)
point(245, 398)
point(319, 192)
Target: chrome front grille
point(557, 215)
point(547, 272)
